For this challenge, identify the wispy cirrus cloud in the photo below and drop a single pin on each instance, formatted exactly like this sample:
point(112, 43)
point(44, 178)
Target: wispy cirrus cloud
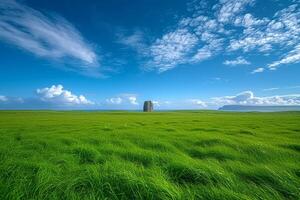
point(258, 70)
point(44, 35)
point(282, 88)
point(271, 89)
point(290, 58)
point(136, 40)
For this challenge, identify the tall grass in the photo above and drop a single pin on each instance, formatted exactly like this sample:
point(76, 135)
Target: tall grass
point(163, 155)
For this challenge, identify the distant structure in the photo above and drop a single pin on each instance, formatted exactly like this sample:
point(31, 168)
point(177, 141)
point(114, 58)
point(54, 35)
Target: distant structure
point(148, 106)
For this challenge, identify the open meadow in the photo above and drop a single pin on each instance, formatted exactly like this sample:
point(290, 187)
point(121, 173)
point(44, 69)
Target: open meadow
point(159, 155)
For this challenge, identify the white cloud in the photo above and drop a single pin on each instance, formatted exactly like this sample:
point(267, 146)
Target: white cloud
point(8, 101)
point(282, 88)
point(197, 102)
point(292, 57)
point(230, 8)
point(282, 31)
point(135, 41)
point(123, 99)
point(248, 98)
point(271, 89)
point(243, 98)
point(161, 104)
point(238, 61)
point(3, 98)
point(279, 33)
point(179, 104)
point(171, 49)
point(133, 100)
point(44, 35)
point(114, 100)
point(249, 21)
point(199, 37)
point(202, 54)
point(156, 103)
point(258, 70)
point(57, 95)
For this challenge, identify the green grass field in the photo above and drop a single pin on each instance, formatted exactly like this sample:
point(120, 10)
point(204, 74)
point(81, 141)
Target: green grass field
point(162, 155)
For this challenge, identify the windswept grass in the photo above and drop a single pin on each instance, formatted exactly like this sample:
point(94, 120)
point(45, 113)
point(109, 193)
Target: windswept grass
point(163, 155)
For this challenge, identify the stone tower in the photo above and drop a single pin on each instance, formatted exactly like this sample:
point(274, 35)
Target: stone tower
point(148, 106)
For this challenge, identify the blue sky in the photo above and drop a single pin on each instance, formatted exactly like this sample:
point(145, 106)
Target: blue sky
point(114, 54)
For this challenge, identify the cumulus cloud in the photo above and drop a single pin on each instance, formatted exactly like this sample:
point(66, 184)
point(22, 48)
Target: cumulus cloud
point(54, 97)
point(133, 100)
point(56, 94)
point(258, 70)
point(49, 36)
point(238, 61)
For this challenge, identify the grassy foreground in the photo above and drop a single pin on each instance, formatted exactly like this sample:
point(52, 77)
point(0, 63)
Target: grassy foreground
point(166, 155)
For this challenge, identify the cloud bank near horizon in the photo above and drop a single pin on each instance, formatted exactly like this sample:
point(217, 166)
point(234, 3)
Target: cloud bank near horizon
point(56, 97)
